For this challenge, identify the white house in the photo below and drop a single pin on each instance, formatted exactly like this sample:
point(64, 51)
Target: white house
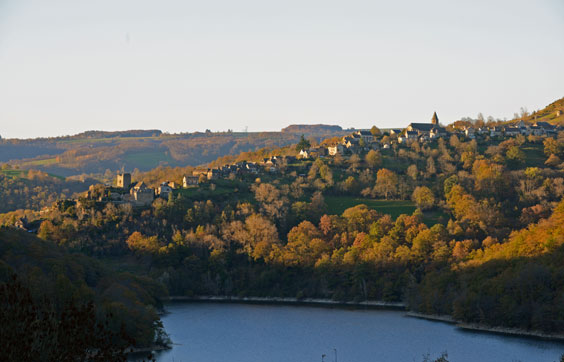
point(304, 154)
point(335, 149)
point(470, 133)
point(164, 190)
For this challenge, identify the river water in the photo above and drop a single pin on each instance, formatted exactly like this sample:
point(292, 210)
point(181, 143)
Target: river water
point(216, 332)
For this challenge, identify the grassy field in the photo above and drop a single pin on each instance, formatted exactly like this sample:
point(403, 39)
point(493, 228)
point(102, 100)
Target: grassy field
point(394, 208)
point(44, 162)
point(534, 155)
point(14, 173)
point(433, 217)
point(23, 174)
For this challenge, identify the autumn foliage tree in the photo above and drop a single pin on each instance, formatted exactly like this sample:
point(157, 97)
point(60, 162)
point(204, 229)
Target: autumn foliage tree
point(373, 159)
point(423, 197)
point(141, 243)
point(386, 183)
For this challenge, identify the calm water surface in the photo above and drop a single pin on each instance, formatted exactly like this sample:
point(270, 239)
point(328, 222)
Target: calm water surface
point(215, 332)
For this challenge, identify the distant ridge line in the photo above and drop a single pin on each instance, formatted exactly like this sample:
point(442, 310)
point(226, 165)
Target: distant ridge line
point(306, 128)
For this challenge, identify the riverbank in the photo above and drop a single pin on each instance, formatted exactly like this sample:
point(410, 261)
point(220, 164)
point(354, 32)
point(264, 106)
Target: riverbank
point(512, 332)
point(368, 304)
point(288, 301)
point(141, 354)
point(489, 329)
point(432, 317)
point(153, 348)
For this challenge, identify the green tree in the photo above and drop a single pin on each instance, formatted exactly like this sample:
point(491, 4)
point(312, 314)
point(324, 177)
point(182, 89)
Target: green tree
point(553, 147)
point(515, 157)
point(303, 144)
point(449, 183)
point(139, 242)
point(350, 185)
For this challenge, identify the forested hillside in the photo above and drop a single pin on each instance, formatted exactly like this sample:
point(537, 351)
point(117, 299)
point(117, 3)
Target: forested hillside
point(517, 283)
point(58, 305)
point(31, 189)
point(312, 129)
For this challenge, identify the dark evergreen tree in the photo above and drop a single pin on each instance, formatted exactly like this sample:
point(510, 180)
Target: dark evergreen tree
point(303, 144)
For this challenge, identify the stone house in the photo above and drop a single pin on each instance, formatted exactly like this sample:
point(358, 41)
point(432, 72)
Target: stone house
point(367, 136)
point(190, 181)
point(252, 168)
point(213, 174)
point(495, 132)
point(545, 125)
point(470, 132)
point(164, 190)
point(511, 131)
point(21, 223)
point(437, 132)
point(142, 195)
point(537, 131)
point(408, 137)
point(198, 173)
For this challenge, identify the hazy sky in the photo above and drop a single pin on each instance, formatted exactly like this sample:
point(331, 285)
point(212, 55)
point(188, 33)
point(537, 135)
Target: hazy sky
point(72, 65)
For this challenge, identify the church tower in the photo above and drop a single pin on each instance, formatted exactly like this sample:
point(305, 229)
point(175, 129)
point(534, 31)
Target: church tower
point(435, 119)
point(123, 180)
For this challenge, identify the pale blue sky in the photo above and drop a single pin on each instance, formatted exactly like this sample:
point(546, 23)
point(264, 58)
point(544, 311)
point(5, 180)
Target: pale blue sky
point(71, 65)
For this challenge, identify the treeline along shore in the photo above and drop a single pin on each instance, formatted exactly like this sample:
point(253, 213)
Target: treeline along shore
point(288, 301)
point(328, 303)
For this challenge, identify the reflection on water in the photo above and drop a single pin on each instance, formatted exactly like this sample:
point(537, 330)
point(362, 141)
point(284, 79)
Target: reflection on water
point(215, 332)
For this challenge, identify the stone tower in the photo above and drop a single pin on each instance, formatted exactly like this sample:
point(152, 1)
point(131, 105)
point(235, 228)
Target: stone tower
point(123, 180)
point(435, 119)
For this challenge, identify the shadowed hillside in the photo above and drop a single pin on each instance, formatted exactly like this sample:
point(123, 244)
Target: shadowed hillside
point(58, 279)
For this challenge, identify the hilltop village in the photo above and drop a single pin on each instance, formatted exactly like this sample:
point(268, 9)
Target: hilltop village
point(413, 216)
point(359, 142)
